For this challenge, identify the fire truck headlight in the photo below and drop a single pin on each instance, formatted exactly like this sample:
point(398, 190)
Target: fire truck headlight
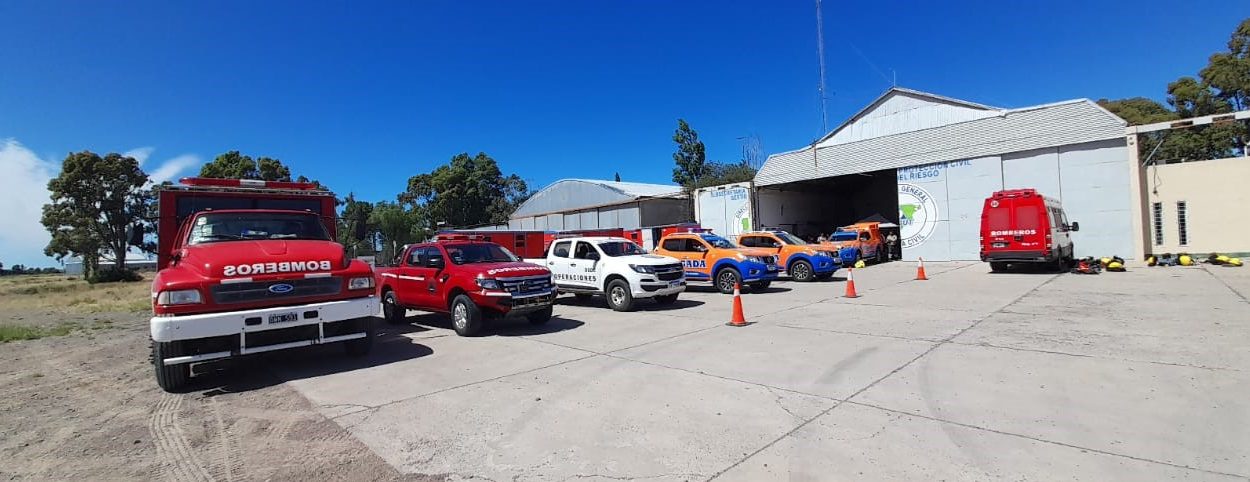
point(489, 284)
point(361, 283)
point(179, 297)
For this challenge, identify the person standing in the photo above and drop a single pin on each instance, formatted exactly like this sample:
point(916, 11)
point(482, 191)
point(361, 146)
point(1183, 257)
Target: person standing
point(891, 239)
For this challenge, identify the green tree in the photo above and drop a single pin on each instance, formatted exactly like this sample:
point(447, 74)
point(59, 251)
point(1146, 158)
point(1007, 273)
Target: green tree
point(1138, 110)
point(356, 213)
point(1229, 72)
point(394, 227)
point(233, 165)
point(466, 191)
point(96, 202)
point(691, 158)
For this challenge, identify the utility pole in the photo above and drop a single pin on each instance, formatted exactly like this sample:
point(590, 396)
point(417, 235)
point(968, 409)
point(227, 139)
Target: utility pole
point(820, 52)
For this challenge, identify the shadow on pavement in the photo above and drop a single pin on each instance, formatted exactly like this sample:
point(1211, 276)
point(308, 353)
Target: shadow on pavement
point(273, 368)
point(640, 304)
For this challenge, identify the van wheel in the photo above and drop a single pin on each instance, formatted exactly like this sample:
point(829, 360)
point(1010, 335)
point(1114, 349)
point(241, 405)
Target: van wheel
point(361, 346)
point(171, 378)
point(726, 280)
point(466, 317)
point(539, 317)
point(998, 266)
point(391, 310)
point(619, 296)
point(801, 271)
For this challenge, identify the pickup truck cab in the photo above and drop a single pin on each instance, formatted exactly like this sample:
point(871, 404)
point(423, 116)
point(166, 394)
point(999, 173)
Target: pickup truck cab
point(802, 261)
point(708, 257)
point(614, 267)
point(248, 267)
point(469, 280)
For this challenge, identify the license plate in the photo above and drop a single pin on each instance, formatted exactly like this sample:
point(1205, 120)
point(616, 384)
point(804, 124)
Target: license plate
point(999, 244)
point(283, 317)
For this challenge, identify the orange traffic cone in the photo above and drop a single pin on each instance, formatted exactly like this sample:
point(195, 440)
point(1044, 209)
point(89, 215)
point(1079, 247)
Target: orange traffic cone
point(738, 318)
point(920, 271)
point(850, 284)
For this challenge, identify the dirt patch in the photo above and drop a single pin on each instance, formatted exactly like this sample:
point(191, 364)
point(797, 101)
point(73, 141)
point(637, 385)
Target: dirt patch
point(84, 406)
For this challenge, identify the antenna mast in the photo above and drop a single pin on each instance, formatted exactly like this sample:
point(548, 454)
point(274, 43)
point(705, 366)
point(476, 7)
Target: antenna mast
point(820, 52)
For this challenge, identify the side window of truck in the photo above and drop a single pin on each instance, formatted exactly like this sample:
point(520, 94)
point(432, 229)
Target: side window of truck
point(674, 244)
point(748, 241)
point(431, 253)
point(560, 249)
point(414, 257)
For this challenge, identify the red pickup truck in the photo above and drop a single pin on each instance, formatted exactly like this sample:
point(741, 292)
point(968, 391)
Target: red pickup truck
point(470, 280)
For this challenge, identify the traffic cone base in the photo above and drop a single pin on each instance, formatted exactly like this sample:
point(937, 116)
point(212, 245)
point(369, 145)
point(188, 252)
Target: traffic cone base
point(920, 276)
point(738, 318)
point(850, 284)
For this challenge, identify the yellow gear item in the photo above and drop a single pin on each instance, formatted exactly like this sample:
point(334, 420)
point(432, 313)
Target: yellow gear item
point(1114, 266)
point(1222, 258)
point(1105, 261)
point(1234, 261)
point(1187, 261)
point(1151, 261)
point(860, 264)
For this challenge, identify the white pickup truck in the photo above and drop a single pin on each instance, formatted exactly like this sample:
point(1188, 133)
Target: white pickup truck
point(614, 267)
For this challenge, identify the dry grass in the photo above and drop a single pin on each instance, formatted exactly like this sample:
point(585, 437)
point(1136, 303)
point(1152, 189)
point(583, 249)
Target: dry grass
point(59, 293)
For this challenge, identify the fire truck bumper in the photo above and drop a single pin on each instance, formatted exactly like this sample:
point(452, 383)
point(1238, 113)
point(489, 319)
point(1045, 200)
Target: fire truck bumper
point(266, 329)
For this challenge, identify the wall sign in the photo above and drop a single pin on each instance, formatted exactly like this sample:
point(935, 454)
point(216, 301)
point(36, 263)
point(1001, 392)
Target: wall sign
point(917, 214)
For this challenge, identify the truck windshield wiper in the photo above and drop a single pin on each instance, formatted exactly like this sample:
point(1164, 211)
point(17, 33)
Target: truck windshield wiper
point(216, 237)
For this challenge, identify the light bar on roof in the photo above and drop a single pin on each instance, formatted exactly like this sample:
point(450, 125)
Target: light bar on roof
point(251, 183)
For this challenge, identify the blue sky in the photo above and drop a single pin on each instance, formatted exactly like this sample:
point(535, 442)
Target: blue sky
point(362, 95)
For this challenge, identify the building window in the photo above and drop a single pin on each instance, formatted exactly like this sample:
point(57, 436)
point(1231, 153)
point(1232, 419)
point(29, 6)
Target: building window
point(1180, 223)
point(1158, 223)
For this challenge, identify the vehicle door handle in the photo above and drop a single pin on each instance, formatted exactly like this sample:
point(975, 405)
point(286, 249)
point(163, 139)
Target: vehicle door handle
point(572, 264)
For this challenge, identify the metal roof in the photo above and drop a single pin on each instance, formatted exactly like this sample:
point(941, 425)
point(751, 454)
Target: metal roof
point(1012, 130)
point(893, 91)
point(575, 194)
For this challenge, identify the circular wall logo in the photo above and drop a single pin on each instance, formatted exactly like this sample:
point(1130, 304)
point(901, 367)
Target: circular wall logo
point(917, 214)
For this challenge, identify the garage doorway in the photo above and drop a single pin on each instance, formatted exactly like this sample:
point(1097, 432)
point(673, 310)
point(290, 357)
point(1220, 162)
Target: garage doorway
point(813, 207)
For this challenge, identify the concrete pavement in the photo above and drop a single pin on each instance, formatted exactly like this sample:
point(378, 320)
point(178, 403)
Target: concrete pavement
point(971, 375)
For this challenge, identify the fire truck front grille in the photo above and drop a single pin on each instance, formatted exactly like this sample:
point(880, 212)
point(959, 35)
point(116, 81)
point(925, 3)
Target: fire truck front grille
point(272, 291)
point(669, 272)
point(526, 285)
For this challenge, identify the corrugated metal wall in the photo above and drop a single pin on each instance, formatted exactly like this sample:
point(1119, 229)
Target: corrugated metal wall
point(904, 113)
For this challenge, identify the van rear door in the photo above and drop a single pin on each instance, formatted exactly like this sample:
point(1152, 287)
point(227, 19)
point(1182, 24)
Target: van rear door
point(997, 224)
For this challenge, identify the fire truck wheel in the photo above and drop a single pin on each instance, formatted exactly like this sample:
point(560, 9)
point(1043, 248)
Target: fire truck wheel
point(619, 296)
point(801, 271)
point(361, 346)
point(171, 378)
point(666, 299)
point(998, 266)
point(391, 310)
point(539, 317)
point(466, 317)
point(726, 279)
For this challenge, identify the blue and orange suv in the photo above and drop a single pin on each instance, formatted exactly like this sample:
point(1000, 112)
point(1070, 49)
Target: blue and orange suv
point(711, 258)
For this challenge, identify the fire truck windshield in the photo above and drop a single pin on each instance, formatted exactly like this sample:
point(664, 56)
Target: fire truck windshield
point(218, 227)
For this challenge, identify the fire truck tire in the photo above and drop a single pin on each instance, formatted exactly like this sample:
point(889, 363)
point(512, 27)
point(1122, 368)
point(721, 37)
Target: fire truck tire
point(760, 285)
point(361, 346)
point(466, 317)
point(391, 310)
point(171, 378)
point(998, 266)
point(619, 296)
point(726, 279)
point(801, 271)
point(666, 299)
point(539, 317)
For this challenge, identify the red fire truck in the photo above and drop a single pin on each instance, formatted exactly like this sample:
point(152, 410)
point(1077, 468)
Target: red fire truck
point(248, 267)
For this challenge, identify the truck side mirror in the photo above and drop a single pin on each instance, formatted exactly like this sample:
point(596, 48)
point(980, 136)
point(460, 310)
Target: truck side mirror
point(134, 235)
point(1075, 226)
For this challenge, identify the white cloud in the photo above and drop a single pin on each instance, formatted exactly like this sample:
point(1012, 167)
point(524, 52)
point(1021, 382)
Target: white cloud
point(171, 168)
point(140, 154)
point(23, 192)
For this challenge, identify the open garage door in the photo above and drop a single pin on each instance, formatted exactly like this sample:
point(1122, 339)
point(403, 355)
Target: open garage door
point(817, 206)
